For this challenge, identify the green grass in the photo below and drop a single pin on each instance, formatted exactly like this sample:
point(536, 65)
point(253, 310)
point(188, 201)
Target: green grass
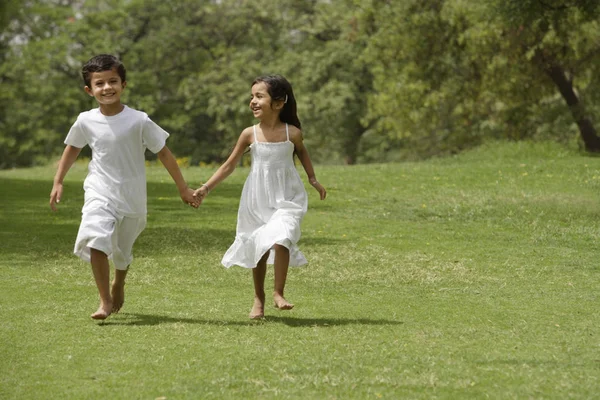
point(468, 277)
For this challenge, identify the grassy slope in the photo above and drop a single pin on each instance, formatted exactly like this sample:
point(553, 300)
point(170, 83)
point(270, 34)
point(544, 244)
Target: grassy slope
point(464, 277)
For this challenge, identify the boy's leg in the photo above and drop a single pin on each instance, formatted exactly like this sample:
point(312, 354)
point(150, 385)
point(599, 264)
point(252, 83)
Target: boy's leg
point(258, 275)
point(117, 289)
point(282, 262)
point(126, 232)
point(101, 271)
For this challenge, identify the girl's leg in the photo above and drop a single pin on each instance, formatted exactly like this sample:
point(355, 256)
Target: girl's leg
point(117, 290)
point(258, 275)
point(282, 262)
point(101, 271)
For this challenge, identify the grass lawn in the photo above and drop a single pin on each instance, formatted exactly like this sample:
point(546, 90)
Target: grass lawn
point(475, 276)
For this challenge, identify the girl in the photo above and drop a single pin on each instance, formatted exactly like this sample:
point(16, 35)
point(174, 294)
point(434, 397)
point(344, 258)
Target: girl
point(273, 199)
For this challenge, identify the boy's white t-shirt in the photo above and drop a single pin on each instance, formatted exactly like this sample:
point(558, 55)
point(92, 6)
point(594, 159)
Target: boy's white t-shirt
point(117, 171)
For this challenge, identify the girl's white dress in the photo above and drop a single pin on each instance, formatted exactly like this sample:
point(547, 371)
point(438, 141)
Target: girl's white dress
point(271, 208)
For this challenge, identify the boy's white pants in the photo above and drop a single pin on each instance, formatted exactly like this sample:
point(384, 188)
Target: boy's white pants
point(102, 228)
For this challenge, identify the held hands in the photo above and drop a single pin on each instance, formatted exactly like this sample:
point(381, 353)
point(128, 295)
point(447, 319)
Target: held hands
point(189, 197)
point(55, 195)
point(319, 188)
point(201, 192)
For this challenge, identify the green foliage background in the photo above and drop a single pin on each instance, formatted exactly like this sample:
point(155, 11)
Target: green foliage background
point(376, 80)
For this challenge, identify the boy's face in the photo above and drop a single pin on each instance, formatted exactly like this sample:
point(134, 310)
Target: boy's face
point(106, 87)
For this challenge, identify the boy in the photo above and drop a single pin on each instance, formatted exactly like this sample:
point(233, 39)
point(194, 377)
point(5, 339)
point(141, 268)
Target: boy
point(114, 213)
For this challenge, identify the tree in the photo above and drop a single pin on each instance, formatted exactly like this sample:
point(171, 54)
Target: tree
point(451, 73)
point(376, 80)
point(36, 87)
point(325, 45)
point(559, 38)
point(428, 97)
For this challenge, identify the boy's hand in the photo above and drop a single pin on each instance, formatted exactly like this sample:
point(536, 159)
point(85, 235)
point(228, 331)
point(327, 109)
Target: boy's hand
point(320, 189)
point(55, 195)
point(188, 197)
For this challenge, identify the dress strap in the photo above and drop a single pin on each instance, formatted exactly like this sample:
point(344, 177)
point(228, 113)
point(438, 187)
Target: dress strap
point(254, 129)
point(287, 132)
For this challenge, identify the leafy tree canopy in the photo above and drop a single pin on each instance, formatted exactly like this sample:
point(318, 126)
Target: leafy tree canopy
point(375, 80)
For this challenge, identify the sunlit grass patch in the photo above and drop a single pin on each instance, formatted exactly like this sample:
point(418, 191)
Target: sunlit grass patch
point(465, 277)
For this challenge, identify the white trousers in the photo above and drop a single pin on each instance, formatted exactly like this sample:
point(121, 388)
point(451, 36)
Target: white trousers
point(102, 228)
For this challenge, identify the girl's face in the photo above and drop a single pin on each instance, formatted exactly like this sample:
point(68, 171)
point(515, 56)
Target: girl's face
point(261, 103)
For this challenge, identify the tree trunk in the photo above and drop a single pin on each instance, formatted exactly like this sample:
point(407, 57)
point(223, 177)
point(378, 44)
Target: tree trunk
point(351, 149)
point(586, 128)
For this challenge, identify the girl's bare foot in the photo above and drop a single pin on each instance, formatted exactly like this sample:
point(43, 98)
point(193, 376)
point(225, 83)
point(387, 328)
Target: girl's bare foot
point(103, 311)
point(281, 302)
point(258, 309)
point(117, 292)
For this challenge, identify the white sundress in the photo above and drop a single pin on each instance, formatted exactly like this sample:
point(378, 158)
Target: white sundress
point(271, 208)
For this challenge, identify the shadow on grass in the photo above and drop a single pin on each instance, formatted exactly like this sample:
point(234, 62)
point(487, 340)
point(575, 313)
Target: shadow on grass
point(197, 240)
point(325, 322)
point(136, 319)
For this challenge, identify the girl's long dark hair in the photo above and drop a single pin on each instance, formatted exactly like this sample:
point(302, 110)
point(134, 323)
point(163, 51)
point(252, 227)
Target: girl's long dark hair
point(280, 89)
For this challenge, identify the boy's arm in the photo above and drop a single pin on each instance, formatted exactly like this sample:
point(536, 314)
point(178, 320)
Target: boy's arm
point(296, 138)
point(66, 161)
point(168, 160)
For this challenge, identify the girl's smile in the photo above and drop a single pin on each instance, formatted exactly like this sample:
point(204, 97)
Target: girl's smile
point(260, 101)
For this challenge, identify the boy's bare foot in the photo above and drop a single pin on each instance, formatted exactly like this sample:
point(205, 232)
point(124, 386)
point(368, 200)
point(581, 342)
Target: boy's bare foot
point(281, 302)
point(117, 291)
point(103, 312)
point(258, 309)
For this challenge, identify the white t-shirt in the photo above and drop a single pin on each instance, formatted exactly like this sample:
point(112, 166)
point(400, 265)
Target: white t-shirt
point(117, 171)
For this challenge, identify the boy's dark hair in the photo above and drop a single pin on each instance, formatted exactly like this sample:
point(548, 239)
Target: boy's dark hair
point(280, 89)
point(99, 63)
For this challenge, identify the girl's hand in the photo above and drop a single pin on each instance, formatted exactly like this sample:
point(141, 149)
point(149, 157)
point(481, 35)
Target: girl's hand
point(201, 192)
point(320, 189)
point(55, 195)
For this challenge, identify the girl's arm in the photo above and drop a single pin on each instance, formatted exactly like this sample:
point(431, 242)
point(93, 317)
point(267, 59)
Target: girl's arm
point(228, 166)
point(66, 162)
point(168, 160)
point(296, 138)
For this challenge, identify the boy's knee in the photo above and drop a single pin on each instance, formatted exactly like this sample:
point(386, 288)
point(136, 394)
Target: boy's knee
point(97, 253)
point(279, 247)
